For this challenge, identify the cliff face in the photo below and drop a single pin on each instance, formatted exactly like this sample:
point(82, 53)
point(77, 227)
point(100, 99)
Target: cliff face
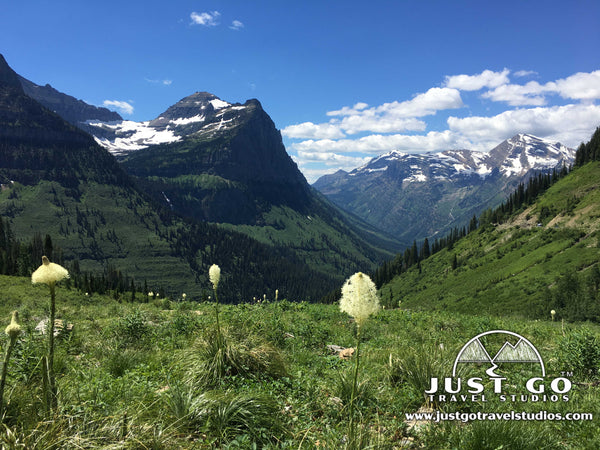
point(228, 165)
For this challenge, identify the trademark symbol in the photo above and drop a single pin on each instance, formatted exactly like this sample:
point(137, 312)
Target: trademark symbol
point(566, 374)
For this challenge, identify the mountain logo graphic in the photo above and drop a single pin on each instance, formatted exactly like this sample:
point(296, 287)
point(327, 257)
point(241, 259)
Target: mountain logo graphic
point(475, 351)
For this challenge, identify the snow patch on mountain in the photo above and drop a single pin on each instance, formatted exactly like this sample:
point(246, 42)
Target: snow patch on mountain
point(199, 114)
point(131, 136)
point(513, 157)
point(188, 120)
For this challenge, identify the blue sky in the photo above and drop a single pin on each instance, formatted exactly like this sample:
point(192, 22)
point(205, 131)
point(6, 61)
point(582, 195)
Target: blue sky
point(343, 80)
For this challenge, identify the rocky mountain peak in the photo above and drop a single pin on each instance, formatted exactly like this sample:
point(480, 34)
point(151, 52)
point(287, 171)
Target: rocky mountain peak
point(9, 80)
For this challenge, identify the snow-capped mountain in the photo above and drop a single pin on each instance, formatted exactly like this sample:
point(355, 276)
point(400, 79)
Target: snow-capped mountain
point(417, 195)
point(200, 114)
point(515, 156)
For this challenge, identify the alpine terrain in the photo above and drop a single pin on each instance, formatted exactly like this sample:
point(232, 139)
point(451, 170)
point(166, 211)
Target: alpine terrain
point(413, 196)
point(536, 253)
point(210, 160)
point(60, 185)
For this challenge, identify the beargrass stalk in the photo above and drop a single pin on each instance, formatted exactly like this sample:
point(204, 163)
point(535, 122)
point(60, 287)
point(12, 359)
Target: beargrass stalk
point(50, 273)
point(13, 330)
point(214, 274)
point(359, 300)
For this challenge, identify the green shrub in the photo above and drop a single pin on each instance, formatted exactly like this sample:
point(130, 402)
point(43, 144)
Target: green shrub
point(579, 352)
point(224, 416)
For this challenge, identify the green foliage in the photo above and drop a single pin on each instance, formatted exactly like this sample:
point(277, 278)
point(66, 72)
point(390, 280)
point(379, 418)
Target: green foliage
point(132, 329)
point(225, 416)
point(363, 396)
point(140, 393)
point(579, 352)
point(209, 361)
point(492, 435)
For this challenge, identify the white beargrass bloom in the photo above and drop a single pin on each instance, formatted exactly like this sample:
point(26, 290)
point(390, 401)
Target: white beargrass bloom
point(49, 273)
point(214, 274)
point(359, 297)
point(14, 329)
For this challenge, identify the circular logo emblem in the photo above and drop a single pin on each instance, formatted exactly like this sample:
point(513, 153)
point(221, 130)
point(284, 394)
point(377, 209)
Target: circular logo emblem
point(522, 351)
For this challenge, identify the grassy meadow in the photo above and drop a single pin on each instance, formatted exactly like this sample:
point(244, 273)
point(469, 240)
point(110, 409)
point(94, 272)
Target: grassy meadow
point(142, 375)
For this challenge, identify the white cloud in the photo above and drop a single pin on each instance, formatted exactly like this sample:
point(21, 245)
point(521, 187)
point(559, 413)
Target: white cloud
point(487, 78)
point(377, 143)
point(524, 73)
point(332, 159)
point(349, 111)
point(166, 82)
point(425, 104)
point(391, 117)
point(531, 93)
point(569, 124)
point(380, 124)
point(236, 25)
point(309, 130)
point(207, 19)
point(580, 86)
point(123, 107)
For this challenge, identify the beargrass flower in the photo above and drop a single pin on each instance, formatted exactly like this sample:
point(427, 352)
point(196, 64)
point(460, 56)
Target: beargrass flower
point(214, 274)
point(14, 329)
point(360, 300)
point(359, 297)
point(552, 313)
point(49, 273)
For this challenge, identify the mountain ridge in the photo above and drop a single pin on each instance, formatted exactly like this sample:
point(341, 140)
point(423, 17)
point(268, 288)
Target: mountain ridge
point(116, 221)
point(440, 190)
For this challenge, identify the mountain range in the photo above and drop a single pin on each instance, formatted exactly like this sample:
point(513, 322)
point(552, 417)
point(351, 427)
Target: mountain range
point(541, 257)
point(149, 214)
point(413, 196)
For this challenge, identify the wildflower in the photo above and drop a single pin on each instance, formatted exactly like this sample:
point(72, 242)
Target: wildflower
point(49, 273)
point(214, 274)
point(359, 297)
point(552, 313)
point(14, 329)
point(183, 295)
point(276, 294)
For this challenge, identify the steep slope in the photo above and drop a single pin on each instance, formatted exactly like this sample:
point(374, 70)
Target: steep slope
point(418, 195)
point(544, 257)
point(77, 112)
point(210, 160)
point(228, 165)
point(55, 179)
